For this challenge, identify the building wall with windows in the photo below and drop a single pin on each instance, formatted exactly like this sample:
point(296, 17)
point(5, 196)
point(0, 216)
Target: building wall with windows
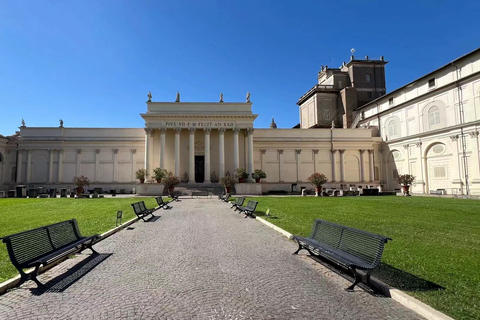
point(429, 128)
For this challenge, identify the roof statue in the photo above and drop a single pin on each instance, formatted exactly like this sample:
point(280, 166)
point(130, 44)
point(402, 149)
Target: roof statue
point(177, 99)
point(61, 123)
point(248, 96)
point(149, 95)
point(333, 124)
point(23, 123)
point(221, 97)
point(273, 125)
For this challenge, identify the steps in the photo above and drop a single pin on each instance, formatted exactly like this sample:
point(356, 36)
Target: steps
point(186, 189)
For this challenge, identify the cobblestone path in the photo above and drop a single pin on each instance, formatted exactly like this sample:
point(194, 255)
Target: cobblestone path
point(199, 260)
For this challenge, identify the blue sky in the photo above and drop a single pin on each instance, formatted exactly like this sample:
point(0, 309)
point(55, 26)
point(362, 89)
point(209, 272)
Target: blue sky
point(92, 63)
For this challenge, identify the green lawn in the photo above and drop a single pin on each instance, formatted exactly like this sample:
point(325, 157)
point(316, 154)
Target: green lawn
point(435, 239)
point(94, 216)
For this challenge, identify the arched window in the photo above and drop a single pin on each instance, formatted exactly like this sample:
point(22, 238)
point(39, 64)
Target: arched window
point(434, 119)
point(392, 129)
point(368, 78)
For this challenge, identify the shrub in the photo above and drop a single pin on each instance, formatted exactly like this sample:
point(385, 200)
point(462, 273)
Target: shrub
point(259, 174)
point(185, 177)
point(241, 173)
point(405, 179)
point(227, 181)
point(141, 173)
point(81, 181)
point(170, 180)
point(213, 177)
point(159, 173)
point(317, 179)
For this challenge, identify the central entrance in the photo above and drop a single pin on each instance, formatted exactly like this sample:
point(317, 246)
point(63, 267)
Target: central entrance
point(199, 169)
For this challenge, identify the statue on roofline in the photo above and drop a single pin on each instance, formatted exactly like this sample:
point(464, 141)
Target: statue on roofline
point(177, 99)
point(61, 123)
point(23, 123)
point(248, 96)
point(149, 95)
point(221, 97)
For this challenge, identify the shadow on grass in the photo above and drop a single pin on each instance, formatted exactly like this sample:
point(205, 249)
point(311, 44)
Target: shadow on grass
point(64, 281)
point(262, 214)
point(402, 280)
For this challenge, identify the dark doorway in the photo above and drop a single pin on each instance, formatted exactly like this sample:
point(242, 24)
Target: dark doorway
point(199, 169)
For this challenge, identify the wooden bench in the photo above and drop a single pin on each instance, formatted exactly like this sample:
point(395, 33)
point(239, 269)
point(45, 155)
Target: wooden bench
point(249, 209)
point(239, 202)
point(45, 245)
point(347, 247)
point(141, 210)
point(162, 204)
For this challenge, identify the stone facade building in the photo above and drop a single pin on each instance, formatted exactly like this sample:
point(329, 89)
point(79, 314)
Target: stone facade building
point(349, 129)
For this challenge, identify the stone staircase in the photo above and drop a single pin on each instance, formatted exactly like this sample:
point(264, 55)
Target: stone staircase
point(186, 189)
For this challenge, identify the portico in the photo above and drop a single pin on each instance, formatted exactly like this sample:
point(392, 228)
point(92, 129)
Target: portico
point(199, 138)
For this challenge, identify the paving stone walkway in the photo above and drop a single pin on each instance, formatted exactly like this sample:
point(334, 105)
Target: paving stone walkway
point(199, 260)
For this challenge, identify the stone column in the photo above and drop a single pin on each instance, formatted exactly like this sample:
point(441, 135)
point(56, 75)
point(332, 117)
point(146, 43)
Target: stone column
point(115, 165)
point(297, 160)
point(407, 157)
point(371, 165)
point(474, 176)
point(342, 165)
point(148, 142)
point(420, 167)
point(250, 155)
point(236, 160)
point(457, 169)
point(362, 165)
point(60, 166)
point(163, 131)
point(19, 165)
point(221, 153)
point(177, 152)
point(207, 154)
point(280, 165)
point(97, 165)
point(315, 152)
point(334, 165)
point(134, 163)
point(50, 166)
point(29, 166)
point(79, 162)
point(191, 156)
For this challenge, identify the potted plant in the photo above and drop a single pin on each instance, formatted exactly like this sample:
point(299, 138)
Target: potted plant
point(170, 181)
point(214, 177)
point(242, 174)
point(185, 177)
point(317, 179)
point(80, 182)
point(159, 174)
point(258, 174)
point(227, 182)
point(141, 174)
point(406, 181)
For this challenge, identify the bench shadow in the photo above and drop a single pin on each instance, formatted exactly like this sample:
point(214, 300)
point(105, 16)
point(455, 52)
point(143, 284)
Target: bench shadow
point(262, 214)
point(64, 281)
point(153, 219)
point(390, 276)
point(402, 280)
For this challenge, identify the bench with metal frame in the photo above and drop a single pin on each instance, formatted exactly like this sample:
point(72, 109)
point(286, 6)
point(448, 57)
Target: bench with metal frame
point(45, 245)
point(249, 209)
point(162, 204)
point(239, 202)
point(347, 247)
point(141, 210)
point(225, 197)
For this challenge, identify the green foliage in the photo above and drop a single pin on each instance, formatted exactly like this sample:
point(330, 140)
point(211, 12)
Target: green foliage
point(170, 180)
point(241, 173)
point(158, 173)
point(185, 177)
point(405, 179)
point(81, 181)
point(434, 239)
point(317, 179)
point(213, 177)
point(141, 173)
point(227, 181)
point(259, 174)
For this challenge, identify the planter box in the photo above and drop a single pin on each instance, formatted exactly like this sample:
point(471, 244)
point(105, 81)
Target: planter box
point(149, 189)
point(248, 188)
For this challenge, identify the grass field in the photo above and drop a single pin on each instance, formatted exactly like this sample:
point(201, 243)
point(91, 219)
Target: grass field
point(94, 216)
point(436, 241)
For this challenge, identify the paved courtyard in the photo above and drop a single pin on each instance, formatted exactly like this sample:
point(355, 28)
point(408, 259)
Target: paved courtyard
point(199, 260)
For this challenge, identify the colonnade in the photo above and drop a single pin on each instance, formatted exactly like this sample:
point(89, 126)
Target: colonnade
point(191, 150)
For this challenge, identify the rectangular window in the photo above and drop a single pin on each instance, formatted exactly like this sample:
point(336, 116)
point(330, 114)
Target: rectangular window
point(390, 101)
point(439, 172)
point(431, 83)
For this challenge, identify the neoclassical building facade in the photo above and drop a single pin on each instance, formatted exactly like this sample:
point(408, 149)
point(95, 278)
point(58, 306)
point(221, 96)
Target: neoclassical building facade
point(349, 129)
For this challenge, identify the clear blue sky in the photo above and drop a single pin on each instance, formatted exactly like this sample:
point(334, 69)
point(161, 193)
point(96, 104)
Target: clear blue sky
point(92, 63)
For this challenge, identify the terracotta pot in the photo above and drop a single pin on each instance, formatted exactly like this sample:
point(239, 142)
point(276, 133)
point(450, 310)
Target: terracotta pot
point(79, 190)
point(257, 180)
point(170, 190)
point(227, 189)
point(318, 191)
point(241, 180)
point(406, 190)
point(142, 180)
point(159, 180)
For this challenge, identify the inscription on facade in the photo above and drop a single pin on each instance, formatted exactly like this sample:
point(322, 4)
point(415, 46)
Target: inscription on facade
point(199, 124)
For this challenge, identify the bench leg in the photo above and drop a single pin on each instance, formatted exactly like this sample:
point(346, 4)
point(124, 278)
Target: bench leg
point(358, 279)
point(33, 277)
point(300, 247)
